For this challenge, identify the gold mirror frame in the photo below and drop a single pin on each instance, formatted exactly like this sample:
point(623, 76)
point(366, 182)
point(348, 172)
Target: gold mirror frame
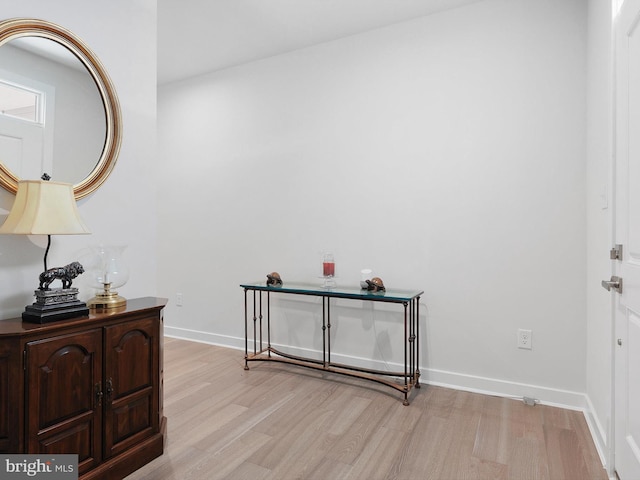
point(29, 27)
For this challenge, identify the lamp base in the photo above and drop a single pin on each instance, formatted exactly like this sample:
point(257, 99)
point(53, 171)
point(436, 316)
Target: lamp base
point(107, 299)
point(53, 305)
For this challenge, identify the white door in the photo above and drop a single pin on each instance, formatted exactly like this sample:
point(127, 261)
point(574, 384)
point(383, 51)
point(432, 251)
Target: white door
point(22, 147)
point(26, 146)
point(627, 233)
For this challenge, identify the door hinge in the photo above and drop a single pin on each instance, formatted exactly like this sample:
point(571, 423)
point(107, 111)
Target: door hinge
point(616, 252)
point(24, 360)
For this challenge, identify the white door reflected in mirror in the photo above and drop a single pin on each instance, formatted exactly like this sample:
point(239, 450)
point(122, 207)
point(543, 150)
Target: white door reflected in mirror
point(53, 120)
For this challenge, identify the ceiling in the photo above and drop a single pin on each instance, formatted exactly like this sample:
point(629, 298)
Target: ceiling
point(200, 36)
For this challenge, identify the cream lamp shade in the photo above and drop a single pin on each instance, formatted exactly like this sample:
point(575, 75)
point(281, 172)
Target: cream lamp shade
point(44, 208)
point(49, 208)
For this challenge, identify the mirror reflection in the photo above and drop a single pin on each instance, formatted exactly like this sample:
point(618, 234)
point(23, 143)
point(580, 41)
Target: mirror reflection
point(52, 117)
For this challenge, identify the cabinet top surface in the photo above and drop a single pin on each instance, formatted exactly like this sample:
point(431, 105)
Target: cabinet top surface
point(390, 295)
point(15, 326)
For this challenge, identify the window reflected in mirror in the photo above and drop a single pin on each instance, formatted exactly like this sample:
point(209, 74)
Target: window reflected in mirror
point(20, 102)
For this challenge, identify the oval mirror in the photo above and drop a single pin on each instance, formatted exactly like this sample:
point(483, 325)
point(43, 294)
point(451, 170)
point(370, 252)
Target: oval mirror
point(59, 113)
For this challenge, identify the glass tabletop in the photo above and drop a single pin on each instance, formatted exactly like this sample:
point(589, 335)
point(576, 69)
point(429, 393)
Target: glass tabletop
point(390, 295)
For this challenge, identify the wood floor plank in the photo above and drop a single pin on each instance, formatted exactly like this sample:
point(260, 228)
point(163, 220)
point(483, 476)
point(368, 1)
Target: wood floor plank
point(564, 453)
point(281, 422)
point(231, 460)
point(355, 438)
point(484, 469)
point(302, 449)
point(329, 469)
point(249, 471)
point(425, 451)
point(218, 441)
point(493, 438)
point(460, 451)
point(382, 448)
point(528, 460)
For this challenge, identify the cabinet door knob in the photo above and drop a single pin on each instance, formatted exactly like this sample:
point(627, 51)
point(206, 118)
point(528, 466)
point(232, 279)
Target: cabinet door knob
point(109, 390)
point(99, 394)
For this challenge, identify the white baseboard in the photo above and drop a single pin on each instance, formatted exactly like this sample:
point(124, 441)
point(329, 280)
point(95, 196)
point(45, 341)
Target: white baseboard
point(459, 381)
point(491, 386)
point(204, 337)
point(600, 436)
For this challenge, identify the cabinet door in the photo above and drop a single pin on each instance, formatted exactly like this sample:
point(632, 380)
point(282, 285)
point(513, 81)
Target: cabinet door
point(64, 385)
point(131, 379)
point(4, 400)
point(10, 397)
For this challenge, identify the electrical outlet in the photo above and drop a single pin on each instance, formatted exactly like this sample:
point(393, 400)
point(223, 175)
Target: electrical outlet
point(524, 339)
point(178, 299)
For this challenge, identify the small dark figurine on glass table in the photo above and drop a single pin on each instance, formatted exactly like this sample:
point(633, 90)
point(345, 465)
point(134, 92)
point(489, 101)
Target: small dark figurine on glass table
point(274, 280)
point(375, 285)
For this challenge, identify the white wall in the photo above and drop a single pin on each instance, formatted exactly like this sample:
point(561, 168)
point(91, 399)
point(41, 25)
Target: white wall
point(123, 36)
point(599, 202)
point(447, 153)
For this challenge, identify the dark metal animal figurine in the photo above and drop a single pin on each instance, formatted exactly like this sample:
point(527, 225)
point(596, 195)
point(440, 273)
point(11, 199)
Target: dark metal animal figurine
point(273, 279)
point(66, 274)
point(375, 285)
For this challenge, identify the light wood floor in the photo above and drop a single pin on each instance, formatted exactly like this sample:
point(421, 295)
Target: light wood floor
point(285, 422)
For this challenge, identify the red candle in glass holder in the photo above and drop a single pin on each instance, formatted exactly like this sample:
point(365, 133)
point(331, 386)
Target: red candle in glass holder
point(328, 269)
point(328, 265)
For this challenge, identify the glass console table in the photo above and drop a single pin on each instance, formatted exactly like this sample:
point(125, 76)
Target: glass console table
point(260, 296)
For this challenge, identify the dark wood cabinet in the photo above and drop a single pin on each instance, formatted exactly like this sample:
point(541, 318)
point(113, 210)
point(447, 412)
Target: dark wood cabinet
point(9, 376)
point(63, 415)
point(91, 386)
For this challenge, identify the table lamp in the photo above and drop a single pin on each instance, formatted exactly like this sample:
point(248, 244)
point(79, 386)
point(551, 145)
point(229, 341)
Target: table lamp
point(107, 271)
point(49, 208)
